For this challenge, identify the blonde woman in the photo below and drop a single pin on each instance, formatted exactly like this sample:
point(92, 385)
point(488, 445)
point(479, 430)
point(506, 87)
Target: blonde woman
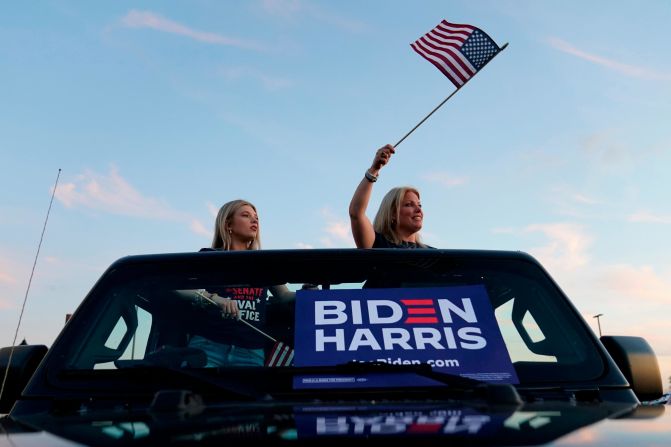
point(237, 228)
point(399, 218)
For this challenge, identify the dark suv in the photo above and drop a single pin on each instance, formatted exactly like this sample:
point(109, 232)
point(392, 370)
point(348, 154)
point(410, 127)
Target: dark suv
point(331, 346)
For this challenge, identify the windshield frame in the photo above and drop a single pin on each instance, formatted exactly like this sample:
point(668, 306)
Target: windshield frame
point(276, 266)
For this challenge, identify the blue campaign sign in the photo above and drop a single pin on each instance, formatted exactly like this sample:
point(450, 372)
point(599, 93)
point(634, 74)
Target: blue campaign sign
point(453, 329)
point(406, 423)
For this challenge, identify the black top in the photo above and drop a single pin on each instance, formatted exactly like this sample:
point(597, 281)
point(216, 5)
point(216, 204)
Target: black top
point(382, 242)
point(251, 303)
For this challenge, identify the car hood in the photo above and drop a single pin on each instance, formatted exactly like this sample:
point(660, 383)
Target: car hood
point(376, 424)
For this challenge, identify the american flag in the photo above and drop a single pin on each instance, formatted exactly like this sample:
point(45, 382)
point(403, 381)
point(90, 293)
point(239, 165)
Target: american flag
point(459, 51)
point(281, 355)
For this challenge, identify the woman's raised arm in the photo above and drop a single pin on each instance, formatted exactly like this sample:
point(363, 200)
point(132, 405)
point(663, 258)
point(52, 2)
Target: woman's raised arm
point(362, 228)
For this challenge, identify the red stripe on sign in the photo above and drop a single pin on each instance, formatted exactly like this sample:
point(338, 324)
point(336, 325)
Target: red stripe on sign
point(417, 320)
point(424, 428)
point(421, 311)
point(417, 302)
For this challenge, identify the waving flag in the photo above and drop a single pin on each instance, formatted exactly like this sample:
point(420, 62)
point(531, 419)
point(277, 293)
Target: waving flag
point(458, 51)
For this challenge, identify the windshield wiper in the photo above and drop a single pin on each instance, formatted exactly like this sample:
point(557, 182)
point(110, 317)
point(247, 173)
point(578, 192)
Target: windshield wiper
point(504, 393)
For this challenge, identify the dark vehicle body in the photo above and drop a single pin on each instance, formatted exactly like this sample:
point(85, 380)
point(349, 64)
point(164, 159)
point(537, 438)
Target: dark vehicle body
point(124, 370)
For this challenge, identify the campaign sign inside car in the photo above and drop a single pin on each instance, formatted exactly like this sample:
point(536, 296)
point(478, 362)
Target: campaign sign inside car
point(452, 329)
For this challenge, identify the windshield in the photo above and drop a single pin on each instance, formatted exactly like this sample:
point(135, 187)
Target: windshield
point(494, 319)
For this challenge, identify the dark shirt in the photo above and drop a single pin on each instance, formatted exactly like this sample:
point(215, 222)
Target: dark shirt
point(251, 303)
point(383, 242)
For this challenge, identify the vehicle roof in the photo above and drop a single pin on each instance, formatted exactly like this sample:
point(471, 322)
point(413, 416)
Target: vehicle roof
point(335, 253)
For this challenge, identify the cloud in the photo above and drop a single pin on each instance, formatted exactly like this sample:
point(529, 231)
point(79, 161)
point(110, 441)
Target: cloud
point(444, 179)
point(583, 199)
point(503, 230)
point(282, 8)
point(636, 282)
point(566, 249)
point(337, 230)
point(303, 245)
point(148, 19)
point(212, 209)
point(566, 201)
point(197, 227)
point(6, 278)
point(293, 9)
point(8, 272)
point(112, 194)
point(647, 217)
point(606, 148)
point(271, 83)
point(8, 283)
point(619, 67)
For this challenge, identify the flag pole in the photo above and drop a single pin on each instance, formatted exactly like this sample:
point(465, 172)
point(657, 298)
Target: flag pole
point(251, 326)
point(451, 95)
point(211, 301)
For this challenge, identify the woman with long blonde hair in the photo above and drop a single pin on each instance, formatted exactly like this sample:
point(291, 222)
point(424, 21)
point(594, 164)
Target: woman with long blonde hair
point(399, 218)
point(237, 227)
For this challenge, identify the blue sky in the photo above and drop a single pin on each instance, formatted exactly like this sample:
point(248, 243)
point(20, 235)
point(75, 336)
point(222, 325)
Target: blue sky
point(159, 112)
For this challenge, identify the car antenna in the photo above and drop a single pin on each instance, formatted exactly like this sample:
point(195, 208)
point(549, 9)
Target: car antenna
point(30, 280)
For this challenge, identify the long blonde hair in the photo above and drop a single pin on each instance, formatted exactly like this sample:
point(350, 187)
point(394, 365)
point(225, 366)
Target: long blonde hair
point(222, 239)
point(387, 215)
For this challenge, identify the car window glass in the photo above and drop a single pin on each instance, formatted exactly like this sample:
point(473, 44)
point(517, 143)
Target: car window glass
point(155, 317)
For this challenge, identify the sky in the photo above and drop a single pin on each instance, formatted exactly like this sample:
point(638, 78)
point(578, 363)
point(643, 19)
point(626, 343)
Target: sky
point(158, 112)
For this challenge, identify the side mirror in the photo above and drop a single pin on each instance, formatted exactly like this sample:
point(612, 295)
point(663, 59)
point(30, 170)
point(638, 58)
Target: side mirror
point(638, 363)
point(24, 363)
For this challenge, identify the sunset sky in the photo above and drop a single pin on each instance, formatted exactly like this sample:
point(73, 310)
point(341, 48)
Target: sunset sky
point(158, 112)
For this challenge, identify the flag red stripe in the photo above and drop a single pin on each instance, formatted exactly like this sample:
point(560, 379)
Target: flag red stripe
point(442, 40)
point(440, 58)
point(281, 355)
point(456, 26)
point(438, 64)
point(443, 46)
point(450, 37)
point(415, 320)
point(454, 55)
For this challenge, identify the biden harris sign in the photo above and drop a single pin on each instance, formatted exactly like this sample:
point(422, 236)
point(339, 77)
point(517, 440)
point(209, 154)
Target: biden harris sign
point(452, 329)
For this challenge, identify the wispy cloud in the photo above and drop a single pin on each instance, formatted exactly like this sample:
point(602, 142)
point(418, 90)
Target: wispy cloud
point(568, 202)
point(566, 248)
point(606, 148)
point(583, 199)
point(304, 245)
point(8, 282)
point(444, 179)
point(197, 227)
point(212, 209)
point(293, 9)
point(337, 230)
point(151, 20)
point(503, 230)
point(640, 282)
point(112, 194)
point(647, 217)
point(6, 277)
point(633, 71)
point(269, 82)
